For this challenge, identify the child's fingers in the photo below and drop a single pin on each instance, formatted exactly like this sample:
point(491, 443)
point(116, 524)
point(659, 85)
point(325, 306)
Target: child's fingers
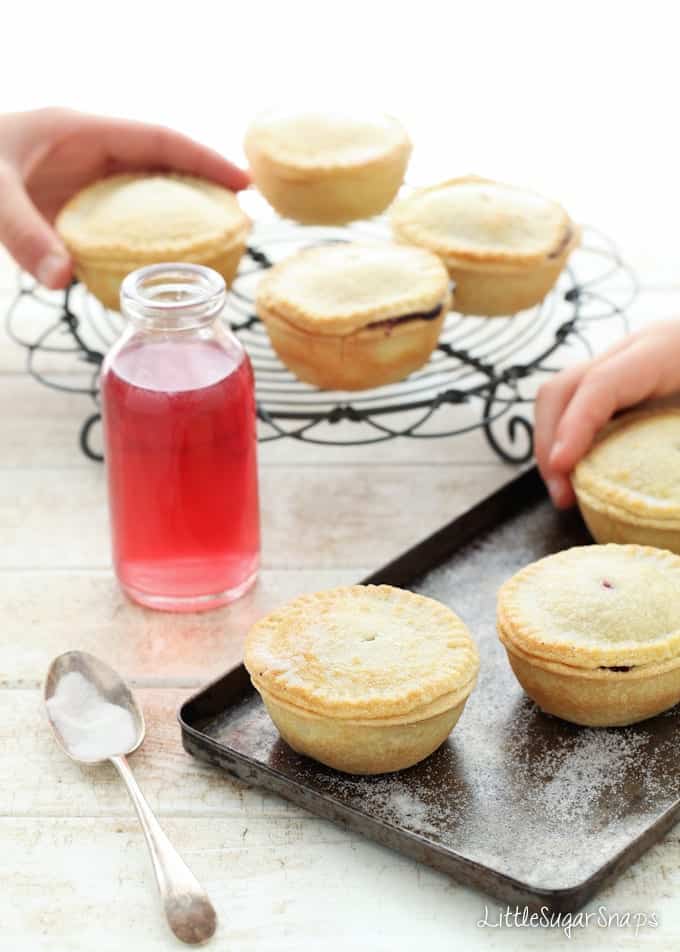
point(27, 236)
point(137, 145)
point(574, 405)
point(624, 379)
point(552, 400)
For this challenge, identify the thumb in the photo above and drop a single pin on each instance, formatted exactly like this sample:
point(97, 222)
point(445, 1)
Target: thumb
point(28, 237)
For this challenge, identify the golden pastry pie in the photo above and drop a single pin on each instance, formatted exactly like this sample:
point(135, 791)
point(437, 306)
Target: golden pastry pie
point(126, 221)
point(350, 316)
point(327, 168)
point(365, 679)
point(628, 486)
point(504, 246)
point(593, 633)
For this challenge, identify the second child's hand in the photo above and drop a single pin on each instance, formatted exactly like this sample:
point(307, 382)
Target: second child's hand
point(575, 404)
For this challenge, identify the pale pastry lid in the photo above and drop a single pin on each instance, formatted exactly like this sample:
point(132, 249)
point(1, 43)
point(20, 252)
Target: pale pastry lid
point(137, 214)
point(314, 140)
point(339, 288)
point(362, 651)
point(634, 466)
point(482, 220)
point(596, 606)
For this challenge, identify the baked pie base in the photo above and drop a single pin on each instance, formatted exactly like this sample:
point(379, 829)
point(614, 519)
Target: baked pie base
point(369, 357)
point(496, 292)
point(598, 697)
point(368, 746)
point(104, 278)
point(334, 197)
point(613, 524)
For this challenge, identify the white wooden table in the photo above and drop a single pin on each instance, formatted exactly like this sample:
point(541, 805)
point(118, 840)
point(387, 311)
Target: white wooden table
point(74, 872)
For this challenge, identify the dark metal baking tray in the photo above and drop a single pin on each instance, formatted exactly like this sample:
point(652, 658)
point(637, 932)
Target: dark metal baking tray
point(526, 807)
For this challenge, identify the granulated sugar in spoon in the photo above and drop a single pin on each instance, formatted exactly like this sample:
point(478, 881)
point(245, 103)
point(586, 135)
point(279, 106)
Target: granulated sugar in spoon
point(95, 717)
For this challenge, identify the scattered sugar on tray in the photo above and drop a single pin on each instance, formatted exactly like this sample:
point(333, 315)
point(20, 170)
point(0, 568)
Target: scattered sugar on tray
point(390, 799)
point(93, 728)
point(247, 727)
point(580, 783)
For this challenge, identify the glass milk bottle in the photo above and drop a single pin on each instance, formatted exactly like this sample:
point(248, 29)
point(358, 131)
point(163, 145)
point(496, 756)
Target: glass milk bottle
point(178, 409)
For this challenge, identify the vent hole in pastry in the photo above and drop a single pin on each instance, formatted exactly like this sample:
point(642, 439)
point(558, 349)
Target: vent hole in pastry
point(368, 638)
point(606, 583)
point(620, 667)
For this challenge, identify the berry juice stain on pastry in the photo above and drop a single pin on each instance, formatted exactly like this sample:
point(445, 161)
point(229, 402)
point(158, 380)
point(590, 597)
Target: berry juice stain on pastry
point(355, 315)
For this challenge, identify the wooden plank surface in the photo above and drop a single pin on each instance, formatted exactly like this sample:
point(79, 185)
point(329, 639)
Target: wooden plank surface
point(280, 883)
point(312, 516)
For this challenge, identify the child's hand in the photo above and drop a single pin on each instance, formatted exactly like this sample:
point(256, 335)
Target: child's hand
point(48, 155)
point(575, 404)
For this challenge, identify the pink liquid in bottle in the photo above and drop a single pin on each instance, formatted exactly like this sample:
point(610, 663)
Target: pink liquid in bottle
point(180, 446)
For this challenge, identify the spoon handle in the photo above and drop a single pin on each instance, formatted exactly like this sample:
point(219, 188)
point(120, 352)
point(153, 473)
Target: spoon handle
point(189, 912)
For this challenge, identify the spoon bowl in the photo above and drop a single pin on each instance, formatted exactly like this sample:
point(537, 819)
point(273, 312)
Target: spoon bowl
point(109, 685)
point(94, 717)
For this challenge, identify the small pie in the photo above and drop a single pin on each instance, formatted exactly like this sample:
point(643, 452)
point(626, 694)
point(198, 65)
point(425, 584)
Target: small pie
point(327, 168)
point(593, 633)
point(123, 222)
point(365, 679)
point(628, 486)
point(355, 315)
point(504, 246)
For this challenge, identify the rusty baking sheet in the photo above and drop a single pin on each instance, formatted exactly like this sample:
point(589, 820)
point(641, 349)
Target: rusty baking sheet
point(519, 804)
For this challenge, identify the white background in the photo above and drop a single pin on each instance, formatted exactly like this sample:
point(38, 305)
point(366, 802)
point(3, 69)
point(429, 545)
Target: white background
point(577, 99)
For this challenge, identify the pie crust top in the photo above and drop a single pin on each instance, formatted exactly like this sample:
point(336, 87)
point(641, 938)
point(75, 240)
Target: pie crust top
point(137, 214)
point(315, 142)
point(339, 288)
point(363, 652)
point(634, 467)
point(481, 221)
point(595, 606)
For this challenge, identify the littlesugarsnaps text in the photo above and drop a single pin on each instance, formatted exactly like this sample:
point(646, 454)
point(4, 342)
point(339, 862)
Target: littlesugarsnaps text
point(521, 917)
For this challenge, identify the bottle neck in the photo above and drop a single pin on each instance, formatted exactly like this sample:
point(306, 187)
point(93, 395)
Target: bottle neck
point(172, 297)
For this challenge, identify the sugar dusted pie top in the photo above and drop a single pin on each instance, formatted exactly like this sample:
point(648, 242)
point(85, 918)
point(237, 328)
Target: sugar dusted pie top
point(335, 289)
point(308, 141)
point(594, 606)
point(634, 467)
point(143, 213)
point(485, 221)
point(363, 651)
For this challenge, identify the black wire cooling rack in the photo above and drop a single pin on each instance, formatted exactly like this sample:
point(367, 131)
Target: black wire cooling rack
point(490, 364)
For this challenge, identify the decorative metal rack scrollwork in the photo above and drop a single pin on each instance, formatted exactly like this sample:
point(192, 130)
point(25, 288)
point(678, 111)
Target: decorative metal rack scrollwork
point(492, 365)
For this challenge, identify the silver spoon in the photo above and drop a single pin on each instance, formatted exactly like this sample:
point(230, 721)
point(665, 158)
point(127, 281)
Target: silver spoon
point(189, 912)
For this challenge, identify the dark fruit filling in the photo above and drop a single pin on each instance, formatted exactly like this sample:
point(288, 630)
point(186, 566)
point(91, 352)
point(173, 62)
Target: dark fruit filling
point(423, 316)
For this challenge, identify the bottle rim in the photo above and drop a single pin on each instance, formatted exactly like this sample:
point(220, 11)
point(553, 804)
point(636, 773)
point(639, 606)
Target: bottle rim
point(173, 294)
